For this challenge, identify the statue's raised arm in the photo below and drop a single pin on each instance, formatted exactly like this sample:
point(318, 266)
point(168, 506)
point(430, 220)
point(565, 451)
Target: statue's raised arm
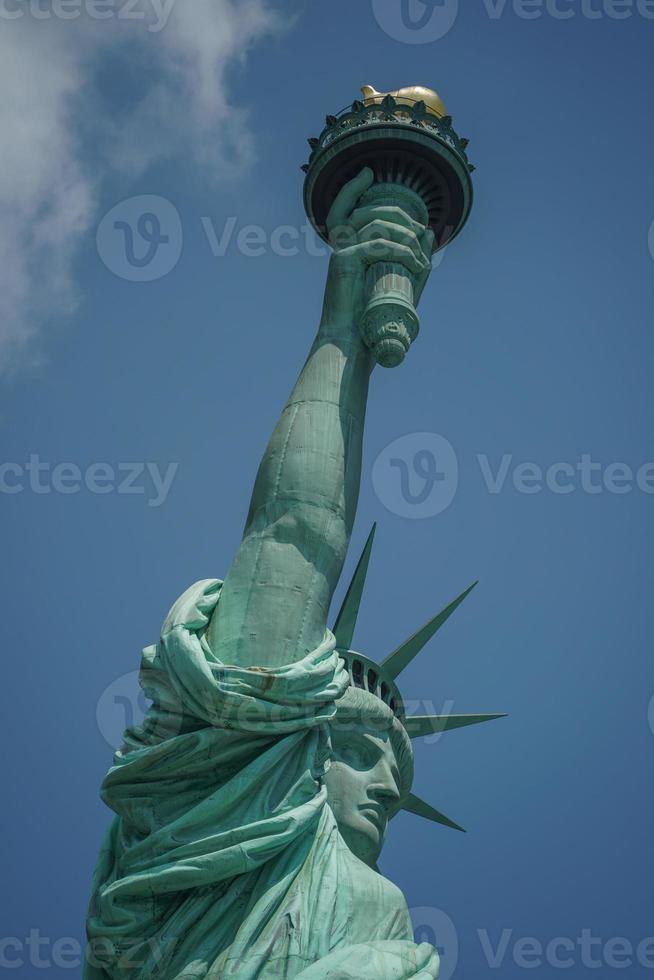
point(275, 600)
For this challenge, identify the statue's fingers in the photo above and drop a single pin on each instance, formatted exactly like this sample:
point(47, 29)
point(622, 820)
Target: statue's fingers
point(420, 283)
point(347, 197)
point(427, 241)
point(388, 231)
point(382, 250)
point(395, 215)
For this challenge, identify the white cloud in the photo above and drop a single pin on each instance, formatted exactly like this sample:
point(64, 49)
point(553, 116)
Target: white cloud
point(46, 200)
point(180, 53)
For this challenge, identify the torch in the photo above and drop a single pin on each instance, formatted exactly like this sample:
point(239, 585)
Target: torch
point(420, 165)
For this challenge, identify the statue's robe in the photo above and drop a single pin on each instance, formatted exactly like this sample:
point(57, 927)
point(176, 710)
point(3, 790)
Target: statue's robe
point(224, 858)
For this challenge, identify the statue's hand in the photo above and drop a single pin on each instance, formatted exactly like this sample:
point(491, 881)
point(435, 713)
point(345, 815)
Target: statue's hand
point(364, 235)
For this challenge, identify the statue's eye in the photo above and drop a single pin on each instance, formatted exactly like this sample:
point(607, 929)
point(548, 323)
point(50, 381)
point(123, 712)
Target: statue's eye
point(359, 755)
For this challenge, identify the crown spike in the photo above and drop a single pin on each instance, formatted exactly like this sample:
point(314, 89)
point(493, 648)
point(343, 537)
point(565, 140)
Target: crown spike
point(395, 662)
point(413, 804)
point(347, 617)
point(419, 725)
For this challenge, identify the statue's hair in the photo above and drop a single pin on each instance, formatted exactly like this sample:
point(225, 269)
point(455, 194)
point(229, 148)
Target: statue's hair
point(359, 707)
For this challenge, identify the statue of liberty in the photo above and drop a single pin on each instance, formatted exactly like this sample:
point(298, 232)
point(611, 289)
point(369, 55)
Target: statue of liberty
point(252, 805)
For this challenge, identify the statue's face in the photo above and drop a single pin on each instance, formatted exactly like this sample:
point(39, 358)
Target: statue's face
point(363, 788)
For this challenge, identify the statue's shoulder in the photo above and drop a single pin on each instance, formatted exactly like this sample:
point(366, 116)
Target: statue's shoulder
point(377, 900)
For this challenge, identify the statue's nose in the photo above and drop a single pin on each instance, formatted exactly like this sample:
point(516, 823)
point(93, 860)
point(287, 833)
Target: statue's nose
point(385, 792)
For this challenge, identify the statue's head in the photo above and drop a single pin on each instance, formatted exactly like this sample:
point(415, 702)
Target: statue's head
point(371, 770)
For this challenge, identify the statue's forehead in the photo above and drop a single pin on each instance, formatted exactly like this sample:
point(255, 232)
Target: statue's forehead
point(373, 729)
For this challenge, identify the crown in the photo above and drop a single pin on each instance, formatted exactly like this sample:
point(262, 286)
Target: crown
point(380, 679)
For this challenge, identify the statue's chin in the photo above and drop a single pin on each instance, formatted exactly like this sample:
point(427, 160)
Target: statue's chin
point(364, 840)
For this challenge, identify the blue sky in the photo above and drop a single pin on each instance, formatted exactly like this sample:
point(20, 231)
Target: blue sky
point(536, 348)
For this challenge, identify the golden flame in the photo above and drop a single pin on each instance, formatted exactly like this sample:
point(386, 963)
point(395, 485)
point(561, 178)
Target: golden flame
point(407, 96)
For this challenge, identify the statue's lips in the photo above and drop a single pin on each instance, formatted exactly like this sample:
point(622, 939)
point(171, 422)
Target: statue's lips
point(375, 813)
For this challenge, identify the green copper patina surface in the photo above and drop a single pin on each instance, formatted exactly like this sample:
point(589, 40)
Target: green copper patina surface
point(252, 805)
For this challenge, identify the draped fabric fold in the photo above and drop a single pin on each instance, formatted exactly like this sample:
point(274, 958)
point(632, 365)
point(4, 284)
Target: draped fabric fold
point(224, 859)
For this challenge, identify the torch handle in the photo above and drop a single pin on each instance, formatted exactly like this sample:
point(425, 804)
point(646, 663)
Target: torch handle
point(390, 324)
